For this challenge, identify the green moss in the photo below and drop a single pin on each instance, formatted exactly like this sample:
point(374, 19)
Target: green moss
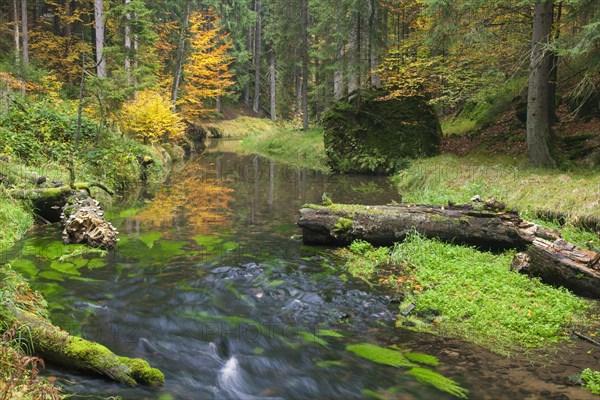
point(374, 134)
point(438, 381)
point(343, 225)
point(142, 372)
point(380, 355)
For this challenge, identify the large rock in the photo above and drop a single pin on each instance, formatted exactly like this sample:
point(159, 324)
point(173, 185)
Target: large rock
point(371, 133)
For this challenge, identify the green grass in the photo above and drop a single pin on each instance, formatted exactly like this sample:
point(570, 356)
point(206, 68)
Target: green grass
point(473, 295)
point(15, 220)
point(447, 177)
point(480, 299)
point(242, 126)
point(290, 146)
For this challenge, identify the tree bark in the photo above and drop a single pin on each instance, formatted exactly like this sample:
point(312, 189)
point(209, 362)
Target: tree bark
point(127, 44)
point(180, 54)
point(25, 33)
point(538, 115)
point(305, 61)
point(385, 225)
point(99, 24)
point(273, 88)
point(338, 75)
point(16, 34)
point(560, 263)
point(257, 54)
point(354, 54)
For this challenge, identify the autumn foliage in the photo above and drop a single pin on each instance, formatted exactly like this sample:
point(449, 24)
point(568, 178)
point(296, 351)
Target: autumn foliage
point(206, 73)
point(149, 118)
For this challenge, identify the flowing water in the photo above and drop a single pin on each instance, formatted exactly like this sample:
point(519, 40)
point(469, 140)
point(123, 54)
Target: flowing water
point(211, 283)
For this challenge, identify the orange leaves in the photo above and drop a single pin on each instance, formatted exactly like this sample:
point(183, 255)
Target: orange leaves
point(206, 74)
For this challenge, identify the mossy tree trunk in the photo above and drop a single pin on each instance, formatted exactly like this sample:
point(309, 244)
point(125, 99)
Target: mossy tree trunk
point(385, 225)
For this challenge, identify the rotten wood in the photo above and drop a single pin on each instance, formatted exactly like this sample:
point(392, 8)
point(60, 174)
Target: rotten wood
point(561, 263)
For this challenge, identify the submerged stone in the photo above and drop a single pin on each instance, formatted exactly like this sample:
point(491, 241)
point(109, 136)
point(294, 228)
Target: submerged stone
point(371, 133)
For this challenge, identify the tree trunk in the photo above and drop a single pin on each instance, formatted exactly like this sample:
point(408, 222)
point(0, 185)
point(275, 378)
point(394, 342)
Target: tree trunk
point(22, 311)
point(560, 263)
point(273, 88)
point(554, 68)
point(338, 75)
point(538, 116)
point(100, 23)
point(257, 53)
point(305, 65)
point(84, 222)
point(25, 33)
point(385, 225)
point(16, 34)
point(354, 54)
point(127, 44)
point(180, 54)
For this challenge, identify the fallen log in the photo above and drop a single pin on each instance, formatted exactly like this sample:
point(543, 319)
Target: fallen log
point(561, 263)
point(25, 311)
point(340, 224)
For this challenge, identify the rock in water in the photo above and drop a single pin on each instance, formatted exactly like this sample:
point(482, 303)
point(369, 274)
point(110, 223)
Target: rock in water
point(84, 222)
point(372, 133)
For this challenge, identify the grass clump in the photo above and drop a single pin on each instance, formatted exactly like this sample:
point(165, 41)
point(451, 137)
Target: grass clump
point(447, 177)
point(591, 380)
point(363, 260)
point(290, 146)
point(480, 299)
point(15, 220)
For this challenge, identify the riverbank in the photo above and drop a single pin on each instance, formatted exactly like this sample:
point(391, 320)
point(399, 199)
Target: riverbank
point(103, 156)
point(282, 141)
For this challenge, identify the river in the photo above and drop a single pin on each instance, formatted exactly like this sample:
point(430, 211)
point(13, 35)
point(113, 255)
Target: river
point(211, 284)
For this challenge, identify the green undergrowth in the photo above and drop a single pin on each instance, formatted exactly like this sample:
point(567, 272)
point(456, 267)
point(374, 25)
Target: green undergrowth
point(591, 380)
point(444, 178)
point(485, 107)
point(461, 292)
point(290, 145)
point(243, 126)
point(15, 220)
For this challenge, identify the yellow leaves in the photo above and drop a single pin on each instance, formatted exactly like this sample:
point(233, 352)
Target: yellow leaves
point(150, 118)
point(206, 73)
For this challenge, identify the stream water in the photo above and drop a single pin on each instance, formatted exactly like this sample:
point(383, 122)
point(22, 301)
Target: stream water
point(211, 283)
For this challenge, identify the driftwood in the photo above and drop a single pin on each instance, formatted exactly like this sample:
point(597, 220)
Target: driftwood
point(81, 215)
point(84, 222)
point(385, 225)
point(561, 263)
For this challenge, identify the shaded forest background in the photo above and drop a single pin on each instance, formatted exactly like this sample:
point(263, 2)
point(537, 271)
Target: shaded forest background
point(184, 60)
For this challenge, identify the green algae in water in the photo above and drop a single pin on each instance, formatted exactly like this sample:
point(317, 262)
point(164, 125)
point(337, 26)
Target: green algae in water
point(312, 338)
point(438, 381)
point(421, 358)
point(329, 333)
point(380, 355)
point(330, 363)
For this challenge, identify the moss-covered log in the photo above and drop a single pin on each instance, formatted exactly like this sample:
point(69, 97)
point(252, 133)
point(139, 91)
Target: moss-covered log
point(560, 263)
point(340, 224)
point(26, 311)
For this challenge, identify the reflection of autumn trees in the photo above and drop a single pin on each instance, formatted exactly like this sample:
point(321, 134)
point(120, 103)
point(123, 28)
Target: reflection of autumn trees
point(195, 195)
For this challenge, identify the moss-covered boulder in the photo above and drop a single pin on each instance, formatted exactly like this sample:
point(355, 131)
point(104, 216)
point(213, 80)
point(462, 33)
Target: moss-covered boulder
point(372, 133)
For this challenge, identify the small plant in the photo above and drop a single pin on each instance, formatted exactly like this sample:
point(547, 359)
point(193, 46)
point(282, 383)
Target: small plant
point(591, 380)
